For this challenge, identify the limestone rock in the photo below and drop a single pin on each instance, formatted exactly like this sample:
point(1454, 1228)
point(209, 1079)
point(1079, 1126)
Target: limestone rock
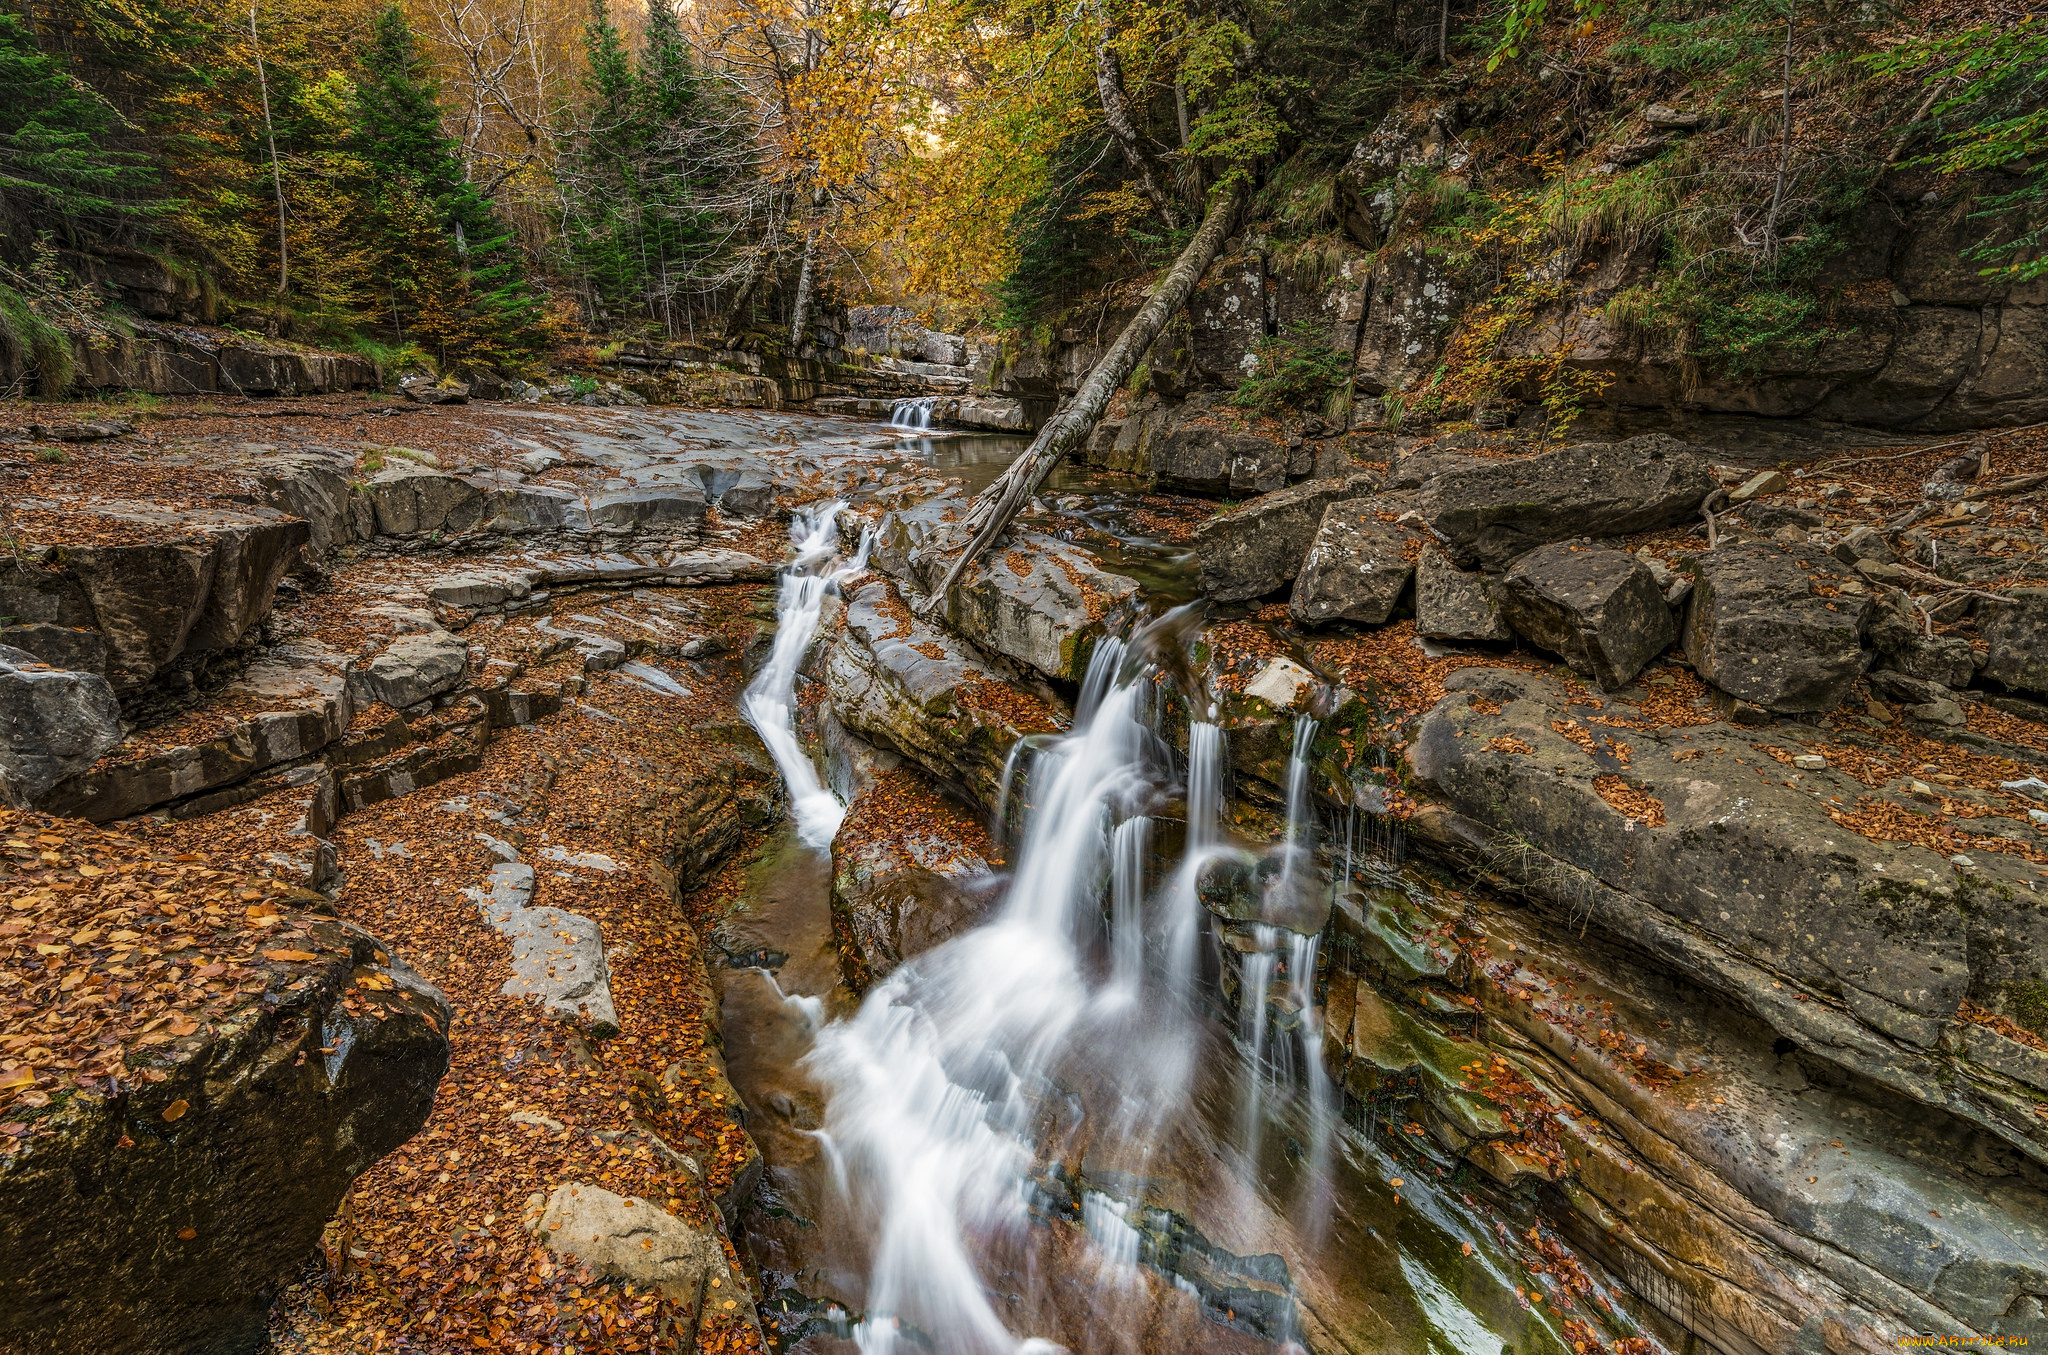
point(423, 389)
point(558, 958)
point(1357, 569)
point(53, 724)
point(1451, 604)
point(1491, 513)
point(1599, 610)
point(899, 896)
point(1769, 624)
point(633, 1239)
point(675, 509)
point(1258, 547)
point(302, 701)
point(413, 668)
point(1946, 659)
point(76, 649)
point(126, 1229)
point(2017, 630)
point(1041, 603)
point(920, 692)
point(407, 498)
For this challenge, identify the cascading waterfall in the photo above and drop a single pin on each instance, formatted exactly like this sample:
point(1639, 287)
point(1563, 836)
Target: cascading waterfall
point(941, 1089)
point(913, 415)
point(770, 700)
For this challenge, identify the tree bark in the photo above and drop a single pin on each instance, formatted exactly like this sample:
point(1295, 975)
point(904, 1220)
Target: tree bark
point(800, 309)
point(1109, 82)
point(284, 266)
point(1784, 157)
point(997, 505)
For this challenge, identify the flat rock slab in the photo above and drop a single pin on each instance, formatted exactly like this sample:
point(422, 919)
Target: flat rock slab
point(1489, 514)
point(1599, 610)
point(1256, 548)
point(558, 957)
point(1358, 567)
point(1770, 623)
point(1041, 603)
point(697, 566)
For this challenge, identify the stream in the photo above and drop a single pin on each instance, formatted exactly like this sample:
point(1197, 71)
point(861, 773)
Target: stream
point(1094, 1122)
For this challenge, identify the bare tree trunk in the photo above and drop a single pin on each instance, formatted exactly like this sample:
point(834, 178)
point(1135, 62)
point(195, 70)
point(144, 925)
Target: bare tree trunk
point(270, 135)
point(994, 508)
point(800, 309)
point(1109, 82)
point(1443, 31)
point(1784, 156)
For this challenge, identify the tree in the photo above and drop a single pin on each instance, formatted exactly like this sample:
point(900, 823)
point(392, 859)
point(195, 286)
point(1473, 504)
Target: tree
point(454, 275)
point(56, 172)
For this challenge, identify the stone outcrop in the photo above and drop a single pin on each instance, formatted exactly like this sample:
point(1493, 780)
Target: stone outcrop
point(164, 1218)
point(900, 896)
point(625, 1238)
point(558, 957)
point(2017, 632)
point(413, 668)
point(1772, 624)
point(1856, 950)
point(1256, 548)
point(1599, 610)
point(922, 693)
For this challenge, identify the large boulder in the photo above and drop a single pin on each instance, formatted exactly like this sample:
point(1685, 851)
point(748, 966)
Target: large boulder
point(53, 724)
point(407, 498)
point(1489, 514)
point(1258, 547)
point(175, 1162)
point(1452, 604)
point(897, 893)
point(1599, 610)
point(1041, 603)
point(315, 490)
point(1771, 624)
point(1357, 569)
point(2017, 631)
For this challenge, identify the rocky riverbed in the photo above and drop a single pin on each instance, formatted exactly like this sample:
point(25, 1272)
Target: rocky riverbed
point(1668, 970)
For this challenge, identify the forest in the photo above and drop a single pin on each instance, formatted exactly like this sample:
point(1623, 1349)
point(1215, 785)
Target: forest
point(486, 183)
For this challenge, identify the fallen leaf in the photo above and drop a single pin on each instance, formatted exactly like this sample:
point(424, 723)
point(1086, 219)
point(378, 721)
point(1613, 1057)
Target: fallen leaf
point(19, 1077)
point(286, 955)
point(182, 1024)
point(177, 1108)
point(187, 1234)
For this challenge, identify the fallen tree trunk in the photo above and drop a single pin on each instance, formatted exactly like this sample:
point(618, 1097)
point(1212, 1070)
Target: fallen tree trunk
point(993, 509)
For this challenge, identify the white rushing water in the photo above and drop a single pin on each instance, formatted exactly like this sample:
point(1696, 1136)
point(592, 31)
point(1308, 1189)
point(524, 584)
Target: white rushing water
point(913, 415)
point(941, 1086)
point(770, 700)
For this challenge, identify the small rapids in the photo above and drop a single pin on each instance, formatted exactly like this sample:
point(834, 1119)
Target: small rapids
point(770, 700)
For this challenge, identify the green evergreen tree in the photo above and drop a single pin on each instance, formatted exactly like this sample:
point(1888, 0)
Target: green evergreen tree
point(56, 173)
point(461, 281)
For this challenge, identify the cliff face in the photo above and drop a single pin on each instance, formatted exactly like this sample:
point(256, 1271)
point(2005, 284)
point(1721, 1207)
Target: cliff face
point(1644, 251)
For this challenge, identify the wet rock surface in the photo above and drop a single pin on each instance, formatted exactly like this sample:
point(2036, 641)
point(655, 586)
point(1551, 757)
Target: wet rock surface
point(1258, 547)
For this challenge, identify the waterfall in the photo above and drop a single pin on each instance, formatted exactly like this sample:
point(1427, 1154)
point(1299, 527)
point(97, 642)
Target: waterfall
point(938, 1083)
point(770, 700)
point(913, 415)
